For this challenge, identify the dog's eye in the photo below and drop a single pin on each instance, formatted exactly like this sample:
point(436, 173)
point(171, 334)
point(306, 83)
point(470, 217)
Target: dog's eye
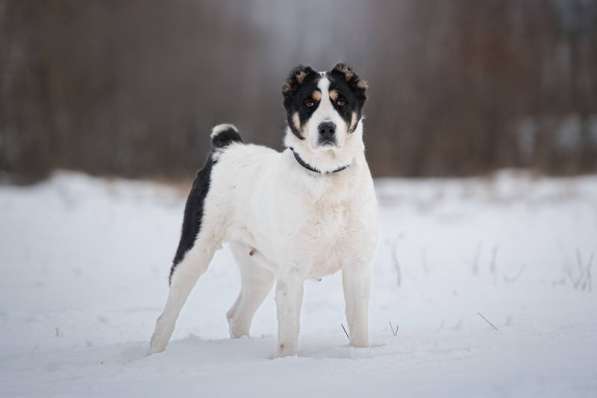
point(340, 101)
point(309, 103)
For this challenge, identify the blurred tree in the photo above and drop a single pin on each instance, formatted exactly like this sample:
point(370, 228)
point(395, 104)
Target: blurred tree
point(132, 88)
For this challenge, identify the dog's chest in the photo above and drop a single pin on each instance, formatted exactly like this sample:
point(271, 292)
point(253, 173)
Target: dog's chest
point(310, 226)
point(326, 236)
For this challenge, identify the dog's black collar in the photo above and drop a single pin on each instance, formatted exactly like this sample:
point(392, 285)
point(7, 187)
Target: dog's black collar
point(313, 169)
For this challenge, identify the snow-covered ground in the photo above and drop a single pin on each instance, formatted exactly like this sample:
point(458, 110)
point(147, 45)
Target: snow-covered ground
point(487, 280)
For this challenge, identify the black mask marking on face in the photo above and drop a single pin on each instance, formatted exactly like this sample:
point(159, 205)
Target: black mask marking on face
point(350, 93)
point(298, 96)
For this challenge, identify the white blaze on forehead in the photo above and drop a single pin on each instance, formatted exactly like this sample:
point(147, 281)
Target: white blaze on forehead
point(325, 111)
point(323, 86)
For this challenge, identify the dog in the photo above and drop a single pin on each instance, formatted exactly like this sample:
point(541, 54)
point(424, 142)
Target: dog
point(306, 212)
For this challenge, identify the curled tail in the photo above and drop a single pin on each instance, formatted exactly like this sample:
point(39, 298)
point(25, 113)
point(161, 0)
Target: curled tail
point(223, 135)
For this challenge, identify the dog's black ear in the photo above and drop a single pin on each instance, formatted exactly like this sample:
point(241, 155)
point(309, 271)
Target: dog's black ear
point(296, 77)
point(357, 85)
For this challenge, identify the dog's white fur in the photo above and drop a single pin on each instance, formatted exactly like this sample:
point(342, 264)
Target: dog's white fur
point(285, 224)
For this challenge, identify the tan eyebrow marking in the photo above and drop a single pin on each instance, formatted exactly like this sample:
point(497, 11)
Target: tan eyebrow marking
point(316, 95)
point(333, 95)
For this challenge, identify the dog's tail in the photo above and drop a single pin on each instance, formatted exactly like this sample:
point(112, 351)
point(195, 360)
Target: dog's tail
point(223, 135)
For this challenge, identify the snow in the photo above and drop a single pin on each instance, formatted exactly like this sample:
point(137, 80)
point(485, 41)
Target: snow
point(488, 280)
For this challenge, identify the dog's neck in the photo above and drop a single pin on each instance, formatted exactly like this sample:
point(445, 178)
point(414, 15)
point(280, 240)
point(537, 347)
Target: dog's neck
point(330, 162)
point(313, 169)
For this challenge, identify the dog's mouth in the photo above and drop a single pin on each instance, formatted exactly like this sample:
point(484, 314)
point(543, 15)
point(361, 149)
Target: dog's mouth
point(328, 148)
point(330, 142)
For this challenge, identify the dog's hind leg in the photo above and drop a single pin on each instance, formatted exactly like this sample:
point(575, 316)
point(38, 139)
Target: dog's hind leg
point(187, 273)
point(202, 233)
point(198, 242)
point(256, 283)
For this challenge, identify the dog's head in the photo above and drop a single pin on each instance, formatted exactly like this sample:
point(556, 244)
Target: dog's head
point(324, 113)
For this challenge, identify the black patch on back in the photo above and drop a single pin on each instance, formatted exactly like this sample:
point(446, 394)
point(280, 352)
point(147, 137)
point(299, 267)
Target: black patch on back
point(193, 213)
point(225, 138)
point(299, 86)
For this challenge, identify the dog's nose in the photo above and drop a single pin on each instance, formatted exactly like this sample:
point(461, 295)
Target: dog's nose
point(327, 131)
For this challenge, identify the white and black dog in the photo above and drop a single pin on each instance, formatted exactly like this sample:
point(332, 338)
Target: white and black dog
point(306, 212)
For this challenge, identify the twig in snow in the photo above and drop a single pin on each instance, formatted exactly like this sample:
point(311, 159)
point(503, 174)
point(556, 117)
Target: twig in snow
point(584, 280)
point(493, 263)
point(394, 331)
point(587, 282)
point(571, 277)
point(392, 245)
point(515, 277)
point(589, 276)
point(345, 332)
point(488, 321)
point(475, 268)
point(580, 270)
point(578, 258)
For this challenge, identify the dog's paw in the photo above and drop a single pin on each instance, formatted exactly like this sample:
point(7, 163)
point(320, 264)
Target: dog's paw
point(157, 344)
point(279, 355)
point(237, 330)
point(286, 350)
point(161, 337)
point(359, 343)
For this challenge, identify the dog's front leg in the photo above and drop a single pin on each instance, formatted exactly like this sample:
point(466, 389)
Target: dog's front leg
point(289, 299)
point(356, 280)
